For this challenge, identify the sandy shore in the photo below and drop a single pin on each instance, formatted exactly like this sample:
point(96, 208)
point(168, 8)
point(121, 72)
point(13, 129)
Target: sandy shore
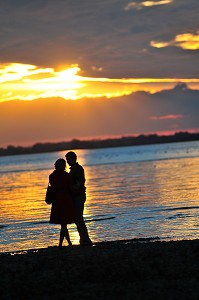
point(128, 269)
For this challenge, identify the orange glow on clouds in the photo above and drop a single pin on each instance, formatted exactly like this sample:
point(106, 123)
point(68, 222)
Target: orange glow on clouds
point(146, 4)
point(167, 117)
point(186, 41)
point(29, 82)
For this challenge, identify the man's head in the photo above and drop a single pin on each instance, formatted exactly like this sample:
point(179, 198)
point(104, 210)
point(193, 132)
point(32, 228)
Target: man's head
point(71, 158)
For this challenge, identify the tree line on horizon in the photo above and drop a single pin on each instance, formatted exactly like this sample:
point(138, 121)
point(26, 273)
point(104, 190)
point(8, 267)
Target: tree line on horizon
point(94, 144)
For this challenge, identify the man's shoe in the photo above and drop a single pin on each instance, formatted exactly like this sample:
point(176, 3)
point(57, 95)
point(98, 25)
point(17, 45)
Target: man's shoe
point(86, 243)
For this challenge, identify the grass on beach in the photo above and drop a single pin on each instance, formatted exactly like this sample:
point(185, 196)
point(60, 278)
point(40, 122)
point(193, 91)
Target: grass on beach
point(127, 269)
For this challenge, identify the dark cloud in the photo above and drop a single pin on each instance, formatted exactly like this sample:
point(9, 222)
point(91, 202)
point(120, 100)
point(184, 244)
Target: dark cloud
point(98, 33)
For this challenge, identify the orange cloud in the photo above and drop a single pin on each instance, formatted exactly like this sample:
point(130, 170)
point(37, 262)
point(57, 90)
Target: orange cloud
point(17, 71)
point(186, 41)
point(29, 82)
point(143, 4)
point(167, 117)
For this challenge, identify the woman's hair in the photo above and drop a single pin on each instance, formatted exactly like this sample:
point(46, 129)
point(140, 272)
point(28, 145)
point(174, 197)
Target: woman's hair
point(60, 164)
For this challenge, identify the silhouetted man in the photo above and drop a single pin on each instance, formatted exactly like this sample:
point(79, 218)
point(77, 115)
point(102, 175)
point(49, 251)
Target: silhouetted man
point(79, 196)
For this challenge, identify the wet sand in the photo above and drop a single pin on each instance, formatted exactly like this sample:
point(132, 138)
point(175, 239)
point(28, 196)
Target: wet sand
point(127, 269)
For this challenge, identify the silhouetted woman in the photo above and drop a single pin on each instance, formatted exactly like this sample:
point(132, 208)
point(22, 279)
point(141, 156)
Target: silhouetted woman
point(62, 210)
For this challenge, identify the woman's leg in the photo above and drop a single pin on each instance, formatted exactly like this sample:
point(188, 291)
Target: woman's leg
point(67, 236)
point(64, 233)
point(61, 237)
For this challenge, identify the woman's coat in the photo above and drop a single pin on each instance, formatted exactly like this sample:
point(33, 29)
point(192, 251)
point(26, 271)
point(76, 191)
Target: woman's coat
point(62, 210)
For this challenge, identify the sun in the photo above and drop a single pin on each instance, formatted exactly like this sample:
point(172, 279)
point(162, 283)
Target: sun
point(63, 84)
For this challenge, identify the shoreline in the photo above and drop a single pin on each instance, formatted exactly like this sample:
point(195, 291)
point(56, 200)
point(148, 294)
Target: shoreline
point(123, 141)
point(75, 246)
point(124, 269)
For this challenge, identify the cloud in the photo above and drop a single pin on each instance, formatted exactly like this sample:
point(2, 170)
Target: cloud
point(167, 117)
point(186, 41)
point(141, 5)
point(53, 33)
point(17, 71)
point(30, 82)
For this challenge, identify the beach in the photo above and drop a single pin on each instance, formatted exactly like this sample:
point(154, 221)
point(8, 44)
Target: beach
point(123, 269)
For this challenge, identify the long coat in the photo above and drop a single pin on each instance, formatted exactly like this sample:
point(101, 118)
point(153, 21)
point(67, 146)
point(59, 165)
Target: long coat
point(62, 210)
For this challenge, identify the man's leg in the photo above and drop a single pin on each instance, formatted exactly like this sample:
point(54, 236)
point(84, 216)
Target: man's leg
point(81, 226)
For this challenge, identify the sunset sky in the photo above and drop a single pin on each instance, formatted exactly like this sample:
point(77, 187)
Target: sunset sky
point(87, 69)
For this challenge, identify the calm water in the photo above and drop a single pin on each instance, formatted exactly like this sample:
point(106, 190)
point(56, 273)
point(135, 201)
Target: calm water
point(132, 192)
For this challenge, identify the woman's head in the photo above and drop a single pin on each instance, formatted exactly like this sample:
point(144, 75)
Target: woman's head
point(60, 164)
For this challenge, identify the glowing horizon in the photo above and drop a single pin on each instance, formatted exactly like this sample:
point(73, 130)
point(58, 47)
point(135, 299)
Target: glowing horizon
point(30, 82)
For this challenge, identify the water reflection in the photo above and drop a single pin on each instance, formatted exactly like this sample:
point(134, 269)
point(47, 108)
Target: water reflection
point(124, 199)
point(177, 180)
point(153, 185)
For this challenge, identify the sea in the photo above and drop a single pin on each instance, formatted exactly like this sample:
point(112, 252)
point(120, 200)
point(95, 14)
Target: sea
point(136, 192)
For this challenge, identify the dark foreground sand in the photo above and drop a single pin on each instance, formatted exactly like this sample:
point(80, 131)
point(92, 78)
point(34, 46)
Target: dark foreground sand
point(129, 269)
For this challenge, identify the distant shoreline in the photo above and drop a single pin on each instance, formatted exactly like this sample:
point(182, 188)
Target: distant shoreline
point(104, 143)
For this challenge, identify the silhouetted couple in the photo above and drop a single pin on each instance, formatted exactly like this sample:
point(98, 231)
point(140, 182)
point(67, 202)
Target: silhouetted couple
point(70, 196)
